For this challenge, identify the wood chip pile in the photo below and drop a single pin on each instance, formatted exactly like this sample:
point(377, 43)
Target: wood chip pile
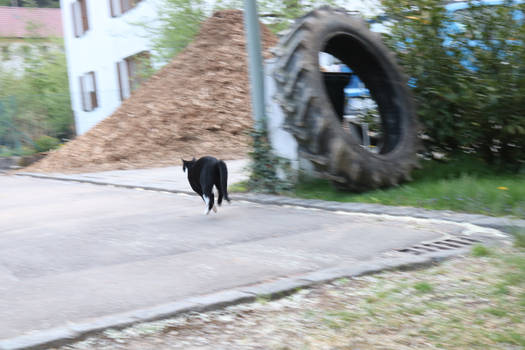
point(199, 104)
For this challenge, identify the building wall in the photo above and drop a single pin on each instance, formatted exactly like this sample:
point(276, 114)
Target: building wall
point(108, 41)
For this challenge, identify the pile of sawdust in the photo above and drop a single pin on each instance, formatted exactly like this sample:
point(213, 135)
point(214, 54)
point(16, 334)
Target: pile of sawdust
point(199, 104)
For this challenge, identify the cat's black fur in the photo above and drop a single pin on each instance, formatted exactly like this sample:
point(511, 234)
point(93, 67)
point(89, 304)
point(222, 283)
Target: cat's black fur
point(203, 174)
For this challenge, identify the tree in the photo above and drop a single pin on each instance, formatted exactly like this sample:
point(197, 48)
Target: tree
point(468, 79)
point(38, 102)
point(179, 22)
point(279, 15)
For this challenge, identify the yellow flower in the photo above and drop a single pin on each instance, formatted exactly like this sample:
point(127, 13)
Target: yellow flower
point(503, 188)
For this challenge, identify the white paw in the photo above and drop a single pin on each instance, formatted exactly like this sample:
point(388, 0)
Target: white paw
point(214, 208)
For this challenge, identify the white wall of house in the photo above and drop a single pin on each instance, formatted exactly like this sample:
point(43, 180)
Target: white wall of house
point(107, 41)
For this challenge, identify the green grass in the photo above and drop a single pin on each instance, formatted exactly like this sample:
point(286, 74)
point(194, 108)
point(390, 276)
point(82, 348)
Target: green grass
point(479, 250)
point(462, 184)
point(496, 312)
point(241, 186)
point(519, 237)
point(423, 287)
point(509, 337)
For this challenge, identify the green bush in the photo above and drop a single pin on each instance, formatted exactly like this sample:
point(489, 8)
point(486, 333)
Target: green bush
point(46, 143)
point(470, 92)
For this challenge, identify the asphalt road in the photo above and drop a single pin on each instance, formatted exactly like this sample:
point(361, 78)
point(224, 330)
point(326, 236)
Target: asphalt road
point(71, 252)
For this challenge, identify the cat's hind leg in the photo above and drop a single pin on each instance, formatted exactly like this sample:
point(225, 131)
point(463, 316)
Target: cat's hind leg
point(209, 200)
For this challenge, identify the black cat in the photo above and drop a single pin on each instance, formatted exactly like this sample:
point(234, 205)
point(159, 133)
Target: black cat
point(203, 174)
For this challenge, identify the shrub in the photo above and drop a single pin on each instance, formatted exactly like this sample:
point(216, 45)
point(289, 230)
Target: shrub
point(468, 79)
point(265, 165)
point(46, 143)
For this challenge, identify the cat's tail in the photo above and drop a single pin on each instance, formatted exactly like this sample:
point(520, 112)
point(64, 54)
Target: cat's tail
point(223, 174)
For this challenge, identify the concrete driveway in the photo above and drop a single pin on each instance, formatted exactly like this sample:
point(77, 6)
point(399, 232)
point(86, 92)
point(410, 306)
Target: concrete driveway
point(71, 252)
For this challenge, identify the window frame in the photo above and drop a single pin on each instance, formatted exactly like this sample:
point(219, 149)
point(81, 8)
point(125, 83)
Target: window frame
point(88, 93)
point(119, 7)
point(128, 79)
point(79, 15)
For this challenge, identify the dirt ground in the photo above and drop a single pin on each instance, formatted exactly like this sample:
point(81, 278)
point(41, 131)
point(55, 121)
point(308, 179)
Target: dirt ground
point(199, 104)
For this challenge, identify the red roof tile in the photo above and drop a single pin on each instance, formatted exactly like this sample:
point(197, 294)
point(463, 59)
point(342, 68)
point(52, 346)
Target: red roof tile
point(24, 22)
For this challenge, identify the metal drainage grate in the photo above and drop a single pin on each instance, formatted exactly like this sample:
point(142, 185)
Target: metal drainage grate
point(446, 244)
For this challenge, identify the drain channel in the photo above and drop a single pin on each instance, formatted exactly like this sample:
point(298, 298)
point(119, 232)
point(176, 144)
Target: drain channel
point(445, 244)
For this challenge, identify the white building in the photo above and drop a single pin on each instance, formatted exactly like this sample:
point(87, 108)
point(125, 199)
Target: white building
point(104, 48)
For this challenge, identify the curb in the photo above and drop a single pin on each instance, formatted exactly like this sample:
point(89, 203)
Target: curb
point(77, 331)
point(501, 223)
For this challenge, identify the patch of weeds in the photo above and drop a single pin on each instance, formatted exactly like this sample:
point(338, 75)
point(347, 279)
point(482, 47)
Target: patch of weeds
point(495, 311)
point(345, 316)
point(241, 186)
point(371, 299)
point(439, 271)
point(508, 337)
point(515, 278)
point(519, 237)
point(309, 314)
point(331, 323)
point(263, 298)
point(296, 291)
point(396, 290)
point(423, 287)
point(385, 293)
point(429, 334)
point(522, 299)
point(342, 281)
point(370, 311)
point(479, 322)
point(501, 288)
point(480, 251)
point(415, 310)
point(455, 319)
point(435, 305)
point(515, 274)
point(482, 278)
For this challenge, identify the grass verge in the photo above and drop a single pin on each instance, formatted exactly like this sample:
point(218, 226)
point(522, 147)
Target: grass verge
point(463, 184)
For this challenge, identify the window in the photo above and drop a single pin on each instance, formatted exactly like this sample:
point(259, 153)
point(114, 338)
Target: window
point(118, 7)
point(80, 19)
point(131, 72)
point(88, 91)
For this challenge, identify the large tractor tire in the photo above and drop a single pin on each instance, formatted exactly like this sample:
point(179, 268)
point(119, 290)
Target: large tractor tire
point(310, 116)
